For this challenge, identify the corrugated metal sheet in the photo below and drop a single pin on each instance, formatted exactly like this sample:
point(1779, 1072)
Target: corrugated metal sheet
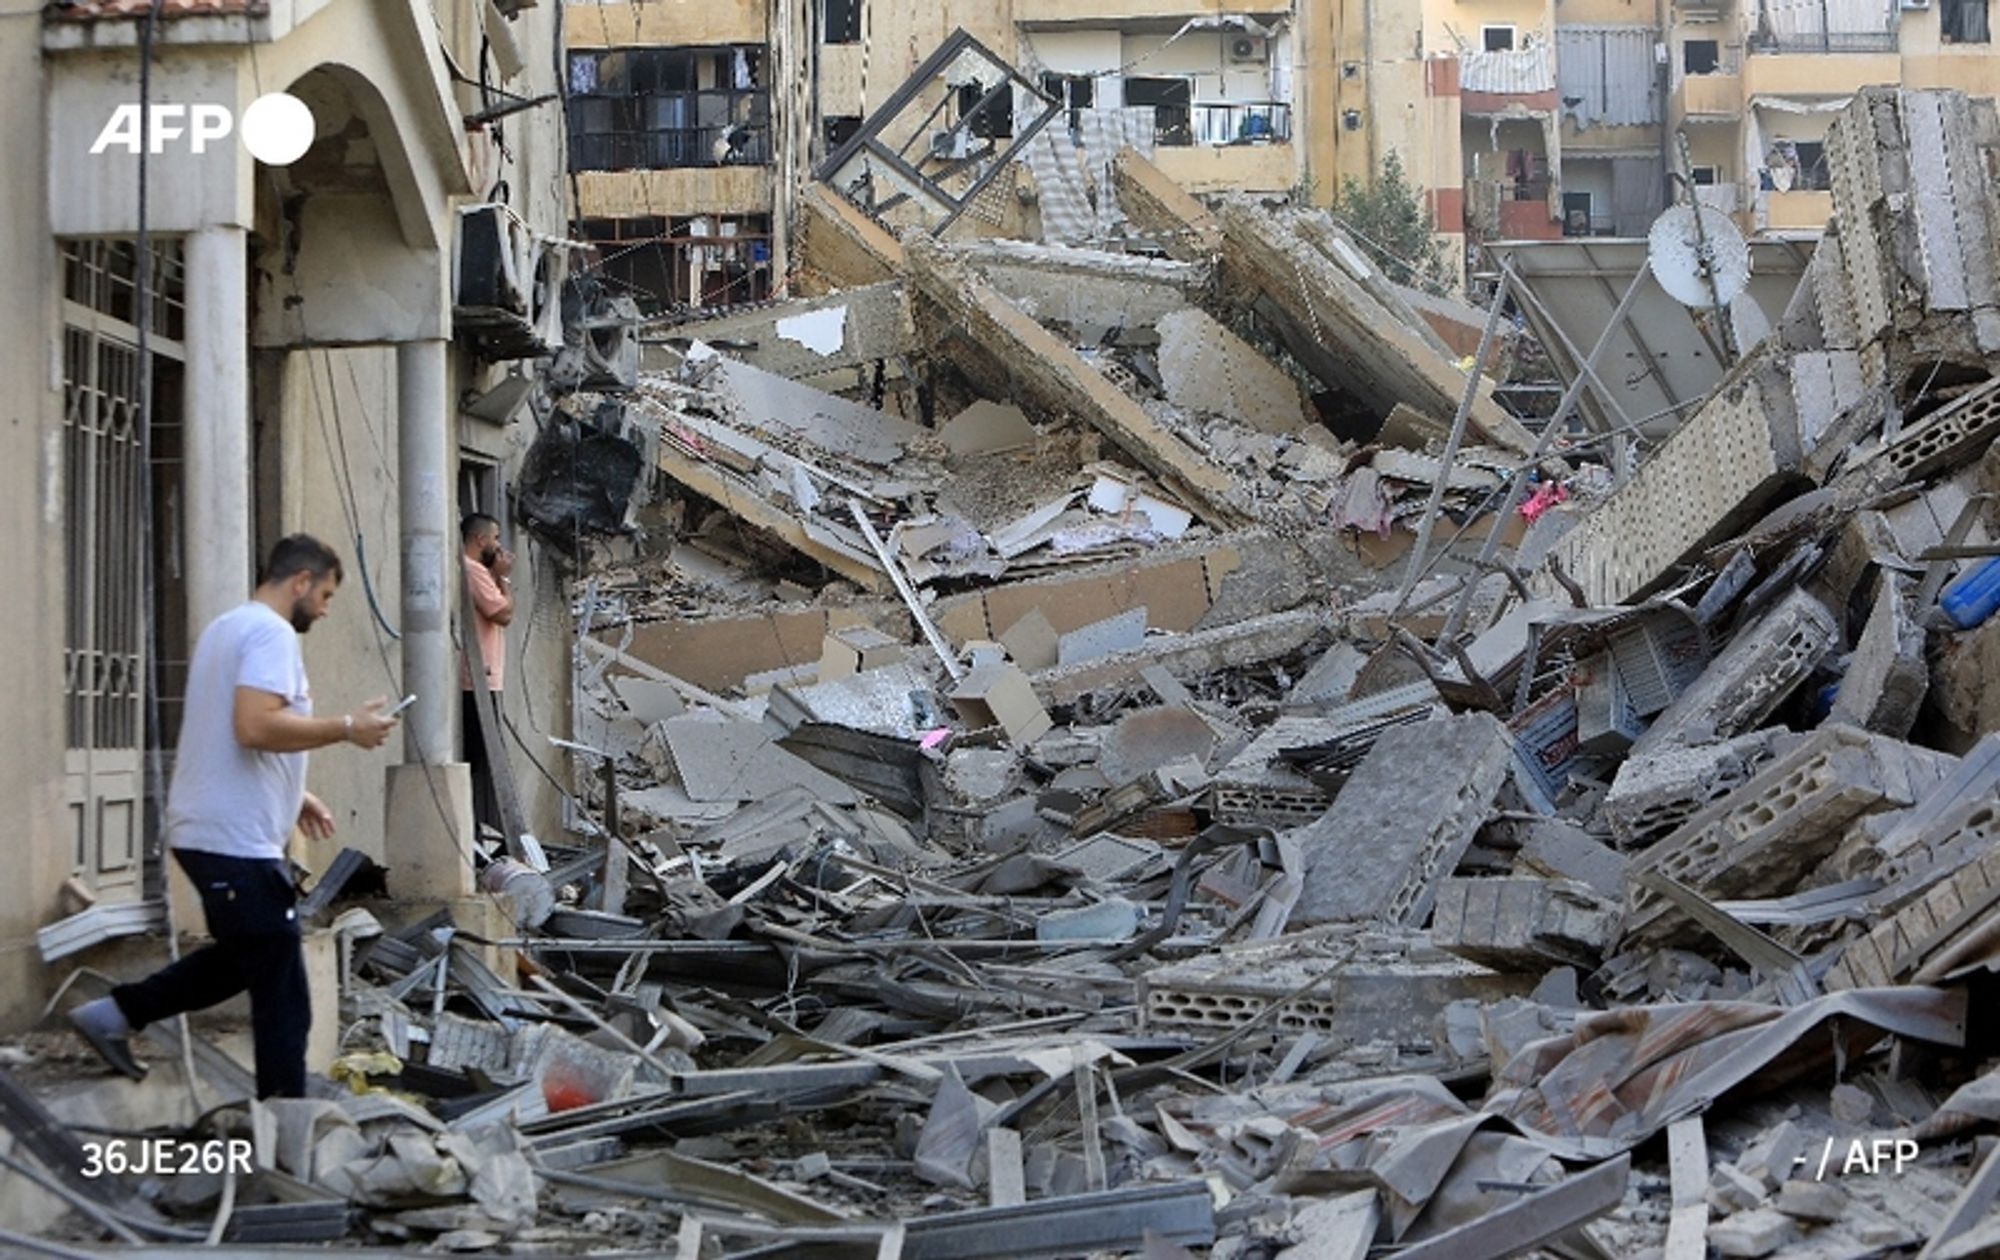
point(1516, 70)
point(1607, 75)
point(1638, 192)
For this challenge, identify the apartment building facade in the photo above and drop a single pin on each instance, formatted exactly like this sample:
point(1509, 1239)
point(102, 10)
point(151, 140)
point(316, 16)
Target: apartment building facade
point(694, 126)
point(296, 363)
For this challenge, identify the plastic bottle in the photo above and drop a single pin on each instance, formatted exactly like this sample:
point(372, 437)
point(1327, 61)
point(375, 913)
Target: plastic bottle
point(1973, 596)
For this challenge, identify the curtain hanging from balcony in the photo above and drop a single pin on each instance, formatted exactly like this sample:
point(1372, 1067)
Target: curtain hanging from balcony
point(1607, 75)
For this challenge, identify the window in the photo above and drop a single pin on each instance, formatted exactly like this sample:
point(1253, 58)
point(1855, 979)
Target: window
point(1964, 22)
point(1074, 92)
point(1576, 214)
point(840, 21)
point(1703, 176)
point(1170, 100)
point(1701, 56)
point(661, 108)
point(1813, 173)
point(840, 128)
point(992, 121)
point(1497, 38)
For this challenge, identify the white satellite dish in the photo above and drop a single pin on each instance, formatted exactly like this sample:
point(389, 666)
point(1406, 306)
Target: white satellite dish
point(1698, 256)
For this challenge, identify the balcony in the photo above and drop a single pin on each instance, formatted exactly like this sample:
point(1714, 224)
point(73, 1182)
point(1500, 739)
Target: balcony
point(1817, 74)
point(670, 130)
point(1709, 97)
point(1213, 168)
point(1224, 123)
point(1799, 210)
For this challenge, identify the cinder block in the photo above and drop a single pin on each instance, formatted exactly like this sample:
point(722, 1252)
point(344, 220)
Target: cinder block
point(1887, 677)
point(1765, 837)
point(1744, 684)
point(1730, 1190)
point(1820, 1202)
point(1520, 924)
point(1653, 795)
point(1402, 821)
point(1557, 849)
point(1947, 435)
point(1947, 904)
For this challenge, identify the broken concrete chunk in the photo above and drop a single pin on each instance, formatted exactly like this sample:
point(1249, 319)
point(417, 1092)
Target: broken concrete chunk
point(1207, 368)
point(1403, 819)
point(720, 759)
point(1732, 1190)
point(1655, 793)
point(1821, 1202)
point(1121, 633)
point(986, 427)
point(1751, 677)
point(852, 650)
point(1887, 677)
point(1773, 1156)
point(1758, 1232)
point(1521, 924)
point(1556, 848)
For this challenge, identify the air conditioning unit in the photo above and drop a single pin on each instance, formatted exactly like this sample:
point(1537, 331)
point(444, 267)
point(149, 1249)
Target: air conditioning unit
point(1247, 48)
point(1915, 5)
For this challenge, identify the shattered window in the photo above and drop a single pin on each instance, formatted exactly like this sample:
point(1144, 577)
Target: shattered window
point(664, 108)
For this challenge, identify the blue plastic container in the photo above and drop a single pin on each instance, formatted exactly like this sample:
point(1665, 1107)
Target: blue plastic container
point(1973, 596)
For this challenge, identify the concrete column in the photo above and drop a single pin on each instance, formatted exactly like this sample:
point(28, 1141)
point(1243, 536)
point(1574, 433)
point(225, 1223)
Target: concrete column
point(423, 440)
point(215, 494)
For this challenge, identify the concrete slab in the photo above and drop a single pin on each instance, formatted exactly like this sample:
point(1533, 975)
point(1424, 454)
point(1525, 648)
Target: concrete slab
point(719, 759)
point(1207, 368)
point(1521, 924)
point(1886, 679)
point(1749, 679)
point(1402, 821)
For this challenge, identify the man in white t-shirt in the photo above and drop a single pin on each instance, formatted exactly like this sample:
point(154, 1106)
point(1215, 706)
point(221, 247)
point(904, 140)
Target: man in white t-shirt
point(239, 787)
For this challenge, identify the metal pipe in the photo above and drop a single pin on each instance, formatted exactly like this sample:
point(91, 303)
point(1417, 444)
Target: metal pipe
point(1416, 566)
point(423, 450)
point(1518, 484)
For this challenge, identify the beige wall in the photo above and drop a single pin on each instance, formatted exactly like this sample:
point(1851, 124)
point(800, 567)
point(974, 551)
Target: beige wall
point(1788, 74)
point(1056, 11)
point(694, 190)
point(31, 562)
point(665, 23)
point(1247, 168)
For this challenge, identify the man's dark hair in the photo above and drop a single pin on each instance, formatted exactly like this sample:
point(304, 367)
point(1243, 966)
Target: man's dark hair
point(300, 553)
point(474, 525)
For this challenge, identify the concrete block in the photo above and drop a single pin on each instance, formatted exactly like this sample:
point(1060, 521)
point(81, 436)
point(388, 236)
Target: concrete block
point(1820, 1202)
point(1606, 721)
point(1732, 1190)
point(1121, 633)
point(1767, 836)
point(1946, 821)
point(1559, 850)
point(1393, 987)
point(1773, 1156)
point(428, 830)
point(1653, 795)
point(1207, 368)
point(1965, 682)
point(1751, 676)
point(1520, 924)
point(1949, 435)
point(1758, 1232)
point(1403, 819)
point(1887, 677)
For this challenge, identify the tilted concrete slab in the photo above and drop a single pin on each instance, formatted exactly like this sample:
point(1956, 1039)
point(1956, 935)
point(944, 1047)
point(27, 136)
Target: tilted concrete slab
point(1164, 210)
point(873, 322)
point(1403, 820)
point(1053, 376)
point(1750, 677)
point(1342, 334)
point(1887, 677)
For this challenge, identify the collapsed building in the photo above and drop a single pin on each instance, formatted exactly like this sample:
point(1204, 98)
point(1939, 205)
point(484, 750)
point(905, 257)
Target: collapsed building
point(1125, 746)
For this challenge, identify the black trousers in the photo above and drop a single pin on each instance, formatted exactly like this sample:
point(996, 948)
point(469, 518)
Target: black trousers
point(249, 904)
point(485, 798)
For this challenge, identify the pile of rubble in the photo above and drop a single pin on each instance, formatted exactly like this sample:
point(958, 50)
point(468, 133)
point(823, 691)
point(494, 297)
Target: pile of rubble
point(1115, 845)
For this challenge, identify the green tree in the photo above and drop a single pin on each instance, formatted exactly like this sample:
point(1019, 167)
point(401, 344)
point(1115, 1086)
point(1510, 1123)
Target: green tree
point(1388, 222)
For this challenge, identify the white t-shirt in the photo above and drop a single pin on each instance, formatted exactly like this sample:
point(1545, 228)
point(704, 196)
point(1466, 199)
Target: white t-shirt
point(226, 798)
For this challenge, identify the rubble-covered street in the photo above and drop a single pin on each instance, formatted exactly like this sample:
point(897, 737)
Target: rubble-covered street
point(1129, 748)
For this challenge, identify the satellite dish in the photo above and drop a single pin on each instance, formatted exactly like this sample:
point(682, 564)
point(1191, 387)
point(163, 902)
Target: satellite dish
point(1698, 256)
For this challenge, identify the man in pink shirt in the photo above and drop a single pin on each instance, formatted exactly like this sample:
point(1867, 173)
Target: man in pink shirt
point(488, 570)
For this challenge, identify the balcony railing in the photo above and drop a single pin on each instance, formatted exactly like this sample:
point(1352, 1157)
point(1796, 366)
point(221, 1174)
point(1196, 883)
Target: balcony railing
point(1231, 122)
point(1824, 42)
point(667, 130)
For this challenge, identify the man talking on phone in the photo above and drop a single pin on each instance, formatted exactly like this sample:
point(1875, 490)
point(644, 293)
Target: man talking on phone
point(489, 569)
point(239, 787)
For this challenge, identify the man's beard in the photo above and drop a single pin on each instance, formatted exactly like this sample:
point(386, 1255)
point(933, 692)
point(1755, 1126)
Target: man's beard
point(488, 556)
point(302, 620)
